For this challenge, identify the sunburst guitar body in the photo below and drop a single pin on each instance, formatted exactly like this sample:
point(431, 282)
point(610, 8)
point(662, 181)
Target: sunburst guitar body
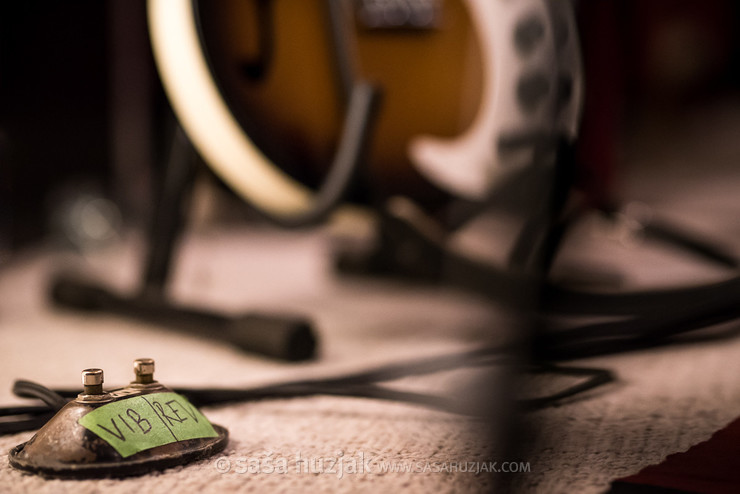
point(257, 85)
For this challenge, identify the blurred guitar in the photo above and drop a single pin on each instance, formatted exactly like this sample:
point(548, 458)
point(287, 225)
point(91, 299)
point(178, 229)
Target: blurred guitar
point(256, 83)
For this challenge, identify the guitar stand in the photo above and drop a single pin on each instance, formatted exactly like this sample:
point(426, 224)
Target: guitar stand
point(280, 336)
point(412, 245)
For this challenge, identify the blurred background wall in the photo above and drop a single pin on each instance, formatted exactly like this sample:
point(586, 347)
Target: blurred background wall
point(79, 102)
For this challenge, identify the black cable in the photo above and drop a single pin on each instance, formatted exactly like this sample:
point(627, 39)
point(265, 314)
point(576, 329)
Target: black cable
point(560, 300)
point(22, 418)
point(596, 377)
point(211, 397)
point(502, 286)
point(510, 289)
point(203, 397)
point(634, 333)
point(27, 420)
point(28, 389)
point(647, 317)
point(362, 384)
point(671, 234)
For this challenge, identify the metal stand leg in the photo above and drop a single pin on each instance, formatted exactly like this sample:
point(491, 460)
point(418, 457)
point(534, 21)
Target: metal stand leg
point(169, 217)
point(275, 335)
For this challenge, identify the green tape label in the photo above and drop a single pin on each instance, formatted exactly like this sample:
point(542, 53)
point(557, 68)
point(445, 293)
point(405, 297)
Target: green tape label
point(147, 421)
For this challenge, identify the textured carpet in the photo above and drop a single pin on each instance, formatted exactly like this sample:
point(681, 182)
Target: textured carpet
point(665, 400)
point(362, 324)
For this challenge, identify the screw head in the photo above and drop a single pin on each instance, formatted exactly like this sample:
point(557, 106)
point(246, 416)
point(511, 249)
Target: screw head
point(144, 370)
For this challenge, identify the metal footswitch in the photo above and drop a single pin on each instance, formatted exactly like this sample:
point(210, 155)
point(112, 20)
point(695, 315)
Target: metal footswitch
point(137, 429)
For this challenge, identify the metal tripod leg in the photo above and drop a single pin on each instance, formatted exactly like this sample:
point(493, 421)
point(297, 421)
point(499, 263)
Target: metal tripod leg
point(275, 335)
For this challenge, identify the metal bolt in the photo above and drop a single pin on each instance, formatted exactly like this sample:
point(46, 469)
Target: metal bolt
point(92, 381)
point(144, 370)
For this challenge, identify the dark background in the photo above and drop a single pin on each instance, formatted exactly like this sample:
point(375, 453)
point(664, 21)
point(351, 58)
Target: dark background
point(80, 107)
